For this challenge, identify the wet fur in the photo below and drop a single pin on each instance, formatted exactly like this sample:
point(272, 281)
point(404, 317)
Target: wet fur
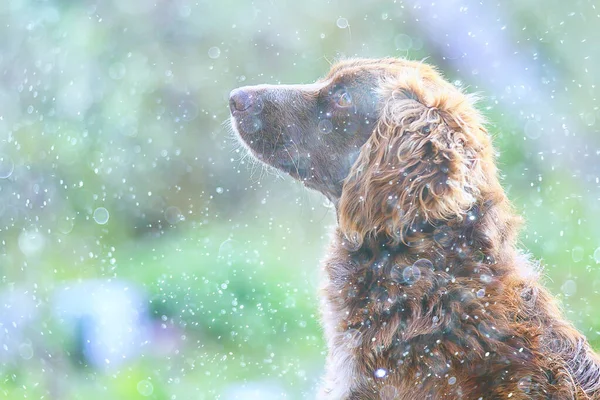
point(425, 294)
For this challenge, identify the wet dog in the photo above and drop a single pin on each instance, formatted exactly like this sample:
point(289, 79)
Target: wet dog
point(425, 293)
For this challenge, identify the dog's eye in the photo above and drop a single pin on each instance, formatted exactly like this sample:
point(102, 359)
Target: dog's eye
point(343, 99)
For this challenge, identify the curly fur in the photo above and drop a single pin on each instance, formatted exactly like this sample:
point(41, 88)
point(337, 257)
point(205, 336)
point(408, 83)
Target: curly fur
point(425, 294)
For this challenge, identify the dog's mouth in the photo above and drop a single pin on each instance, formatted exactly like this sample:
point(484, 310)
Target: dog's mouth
point(276, 155)
point(299, 169)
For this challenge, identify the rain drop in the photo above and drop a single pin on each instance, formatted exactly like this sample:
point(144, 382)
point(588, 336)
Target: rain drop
point(525, 384)
point(6, 166)
point(443, 236)
point(569, 288)
point(214, 52)
point(388, 392)
point(325, 126)
point(342, 23)
point(380, 373)
point(411, 274)
point(31, 242)
point(423, 263)
point(532, 129)
point(403, 42)
point(145, 388)
point(101, 215)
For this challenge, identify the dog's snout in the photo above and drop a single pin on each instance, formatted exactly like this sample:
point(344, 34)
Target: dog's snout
point(240, 100)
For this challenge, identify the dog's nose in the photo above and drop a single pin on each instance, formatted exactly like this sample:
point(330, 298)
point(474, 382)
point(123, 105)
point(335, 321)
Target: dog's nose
point(239, 100)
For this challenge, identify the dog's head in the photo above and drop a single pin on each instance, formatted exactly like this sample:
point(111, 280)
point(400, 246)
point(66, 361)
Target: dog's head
point(389, 141)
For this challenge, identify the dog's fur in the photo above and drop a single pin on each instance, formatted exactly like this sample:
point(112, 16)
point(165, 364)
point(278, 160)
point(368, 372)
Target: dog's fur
point(425, 294)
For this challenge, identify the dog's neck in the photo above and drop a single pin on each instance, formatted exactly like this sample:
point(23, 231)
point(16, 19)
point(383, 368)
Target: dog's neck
point(481, 245)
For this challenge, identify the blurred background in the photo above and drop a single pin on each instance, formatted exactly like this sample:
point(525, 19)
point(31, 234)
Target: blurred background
point(142, 256)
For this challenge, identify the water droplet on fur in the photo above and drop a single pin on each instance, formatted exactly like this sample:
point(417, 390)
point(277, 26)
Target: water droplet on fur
point(423, 263)
point(481, 293)
point(352, 338)
point(388, 392)
point(411, 274)
point(380, 373)
point(443, 236)
point(525, 384)
point(451, 380)
point(352, 241)
point(396, 273)
point(325, 126)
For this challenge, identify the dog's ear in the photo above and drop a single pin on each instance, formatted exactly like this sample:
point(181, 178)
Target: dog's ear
point(422, 162)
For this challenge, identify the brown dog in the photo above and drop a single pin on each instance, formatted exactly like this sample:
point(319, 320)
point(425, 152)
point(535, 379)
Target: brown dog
point(426, 295)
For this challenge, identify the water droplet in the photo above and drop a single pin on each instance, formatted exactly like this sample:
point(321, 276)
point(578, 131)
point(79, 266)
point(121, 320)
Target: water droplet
point(577, 254)
point(173, 215)
point(352, 241)
point(219, 190)
point(388, 392)
point(227, 249)
point(328, 203)
point(214, 52)
point(525, 384)
point(569, 288)
point(597, 255)
point(532, 129)
point(101, 215)
point(423, 263)
point(31, 242)
point(403, 42)
point(325, 126)
point(451, 380)
point(352, 338)
point(396, 273)
point(380, 373)
point(443, 236)
point(26, 351)
point(481, 293)
point(485, 278)
point(342, 23)
point(145, 388)
point(6, 166)
point(411, 274)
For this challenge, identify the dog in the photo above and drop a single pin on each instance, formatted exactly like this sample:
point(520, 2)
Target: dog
point(425, 294)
